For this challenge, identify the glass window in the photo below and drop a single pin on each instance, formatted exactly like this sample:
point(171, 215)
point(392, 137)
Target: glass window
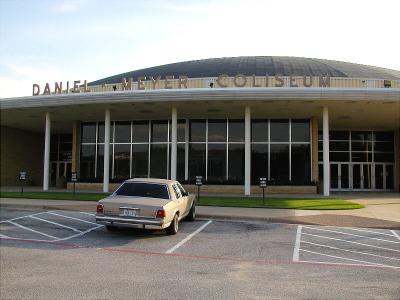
point(386, 136)
point(361, 135)
point(122, 132)
point(279, 160)
point(338, 146)
point(159, 131)
point(236, 130)
point(197, 161)
point(216, 130)
point(301, 170)
point(361, 146)
point(140, 158)
point(100, 161)
point(141, 189)
point(140, 132)
point(259, 131)
point(181, 130)
point(87, 161)
point(338, 135)
point(122, 155)
point(259, 162)
point(338, 156)
point(181, 189)
point(216, 163)
point(89, 133)
point(65, 138)
point(384, 146)
point(361, 156)
point(100, 134)
point(300, 131)
point(158, 161)
point(197, 131)
point(180, 168)
point(177, 192)
point(384, 157)
point(236, 163)
point(279, 130)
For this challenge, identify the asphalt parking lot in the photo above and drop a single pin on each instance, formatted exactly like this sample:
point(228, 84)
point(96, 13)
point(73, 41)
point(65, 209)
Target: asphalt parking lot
point(207, 258)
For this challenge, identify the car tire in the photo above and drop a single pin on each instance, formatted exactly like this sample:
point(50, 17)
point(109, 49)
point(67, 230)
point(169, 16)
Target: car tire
point(174, 227)
point(111, 228)
point(192, 213)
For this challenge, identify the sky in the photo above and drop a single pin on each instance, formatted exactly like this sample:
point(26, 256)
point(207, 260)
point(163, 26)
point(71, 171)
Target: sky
point(65, 40)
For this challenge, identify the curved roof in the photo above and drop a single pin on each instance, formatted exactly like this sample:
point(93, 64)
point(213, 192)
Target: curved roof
point(260, 66)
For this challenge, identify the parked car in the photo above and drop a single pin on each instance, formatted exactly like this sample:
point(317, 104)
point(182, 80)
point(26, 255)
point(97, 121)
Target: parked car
point(148, 203)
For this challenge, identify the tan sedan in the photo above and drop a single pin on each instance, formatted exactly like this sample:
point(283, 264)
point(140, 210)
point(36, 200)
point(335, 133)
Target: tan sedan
point(146, 202)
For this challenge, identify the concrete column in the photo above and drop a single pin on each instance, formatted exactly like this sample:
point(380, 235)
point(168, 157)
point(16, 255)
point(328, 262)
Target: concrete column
point(76, 142)
point(174, 129)
point(247, 150)
point(46, 160)
point(325, 132)
point(106, 176)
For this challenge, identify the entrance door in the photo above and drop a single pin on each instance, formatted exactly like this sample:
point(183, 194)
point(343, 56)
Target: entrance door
point(384, 177)
point(367, 176)
point(362, 176)
point(389, 178)
point(339, 176)
point(356, 176)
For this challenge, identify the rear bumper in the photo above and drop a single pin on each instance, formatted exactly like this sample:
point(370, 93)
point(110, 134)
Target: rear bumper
point(131, 222)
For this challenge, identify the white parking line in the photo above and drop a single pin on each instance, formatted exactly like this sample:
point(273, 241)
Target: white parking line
point(343, 264)
point(32, 230)
point(395, 234)
point(18, 218)
point(86, 213)
point(345, 258)
point(188, 237)
point(55, 214)
point(3, 236)
point(369, 231)
point(331, 238)
point(54, 223)
point(347, 250)
point(297, 244)
point(79, 234)
point(356, 235)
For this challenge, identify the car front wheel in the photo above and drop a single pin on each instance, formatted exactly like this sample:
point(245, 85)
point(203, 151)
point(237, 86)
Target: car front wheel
point(173, 228)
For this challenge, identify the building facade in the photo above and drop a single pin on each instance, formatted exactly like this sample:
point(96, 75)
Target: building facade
point(307, 125)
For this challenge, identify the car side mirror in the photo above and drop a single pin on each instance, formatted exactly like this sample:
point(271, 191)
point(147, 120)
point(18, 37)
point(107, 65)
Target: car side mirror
point(185, 194)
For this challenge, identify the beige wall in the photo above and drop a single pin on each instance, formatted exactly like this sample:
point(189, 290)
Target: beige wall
point(21, 150)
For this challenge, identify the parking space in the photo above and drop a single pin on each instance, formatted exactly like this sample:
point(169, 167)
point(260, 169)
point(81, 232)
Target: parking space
point(210, 239)
point(347, 246)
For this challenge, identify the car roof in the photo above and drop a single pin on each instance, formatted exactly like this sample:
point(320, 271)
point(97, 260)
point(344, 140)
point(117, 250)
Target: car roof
point(152, 180)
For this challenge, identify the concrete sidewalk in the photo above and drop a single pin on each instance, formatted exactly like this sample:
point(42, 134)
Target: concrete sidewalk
point(378, 213)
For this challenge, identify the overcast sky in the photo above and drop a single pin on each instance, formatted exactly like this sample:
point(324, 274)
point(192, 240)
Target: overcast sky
point(59, 40)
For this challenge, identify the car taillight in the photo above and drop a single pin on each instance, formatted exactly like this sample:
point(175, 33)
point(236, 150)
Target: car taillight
point(100, 208)
point(160, 213)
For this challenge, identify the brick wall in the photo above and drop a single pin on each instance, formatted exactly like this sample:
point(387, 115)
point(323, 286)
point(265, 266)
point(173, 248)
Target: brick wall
point(21, 150)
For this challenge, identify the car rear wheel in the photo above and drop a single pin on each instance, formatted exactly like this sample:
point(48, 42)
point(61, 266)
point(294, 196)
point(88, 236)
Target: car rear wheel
point(192, 213)
point(111, 228)
point(173, 228)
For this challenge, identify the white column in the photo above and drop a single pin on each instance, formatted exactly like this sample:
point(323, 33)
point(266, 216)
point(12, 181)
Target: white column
point(325, 133)
point(174, 123)
point(106, 176)
point(247, 150)
point(46, 159)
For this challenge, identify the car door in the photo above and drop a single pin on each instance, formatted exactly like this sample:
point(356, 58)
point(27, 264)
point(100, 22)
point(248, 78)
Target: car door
point(180, 201)
point(186, 198)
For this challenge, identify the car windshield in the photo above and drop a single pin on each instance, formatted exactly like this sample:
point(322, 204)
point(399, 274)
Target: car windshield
point(141, 189)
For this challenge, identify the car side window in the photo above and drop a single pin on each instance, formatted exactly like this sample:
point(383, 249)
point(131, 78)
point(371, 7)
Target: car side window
point(181, 189)
point(177, 191)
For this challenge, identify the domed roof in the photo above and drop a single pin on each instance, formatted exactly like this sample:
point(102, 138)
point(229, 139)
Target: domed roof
point(260, 66)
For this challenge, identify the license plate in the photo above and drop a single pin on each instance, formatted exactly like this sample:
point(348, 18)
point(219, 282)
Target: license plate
point(129, 212)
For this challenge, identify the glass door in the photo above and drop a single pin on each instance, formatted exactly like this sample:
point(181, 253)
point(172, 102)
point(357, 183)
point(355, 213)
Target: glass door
point(335, 176)
point(344, 176)
point(356, 176)
point(366, 176)
point(389, 178)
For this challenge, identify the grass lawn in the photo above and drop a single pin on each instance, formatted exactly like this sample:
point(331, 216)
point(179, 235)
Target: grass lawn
point(320, 204)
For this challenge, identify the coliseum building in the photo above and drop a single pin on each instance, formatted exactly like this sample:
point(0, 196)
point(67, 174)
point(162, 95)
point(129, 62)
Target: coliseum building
point(307, 125)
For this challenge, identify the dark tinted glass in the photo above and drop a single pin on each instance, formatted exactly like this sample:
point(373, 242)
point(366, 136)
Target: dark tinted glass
point(65, 138)
point(259, 162)
point(197, 161)
point(279, 159)
point(140, 156)
point(338, 146)
point(361, 156)
point(384, 157)
point(259, 131)
point(384, 146)
point(140, 132)
point(279, 130)
point(300, 131)
point(180, 168)
point(198, 131)
point(386, 136)
point(338, 135)
point(361, 135)
point(122, 132)
point(100, 134)
point(236, 130)
point(100, 161)
point(158, 161)
point(216, 163)
point(87, 161)
point(338, 156)
point(236, 163)
point(148, 190)
point(217, 130)
point(301, 164)
point(361, 146)
point(181, 130)
point(89, 133)
point(159, 131)
point(122, 155)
